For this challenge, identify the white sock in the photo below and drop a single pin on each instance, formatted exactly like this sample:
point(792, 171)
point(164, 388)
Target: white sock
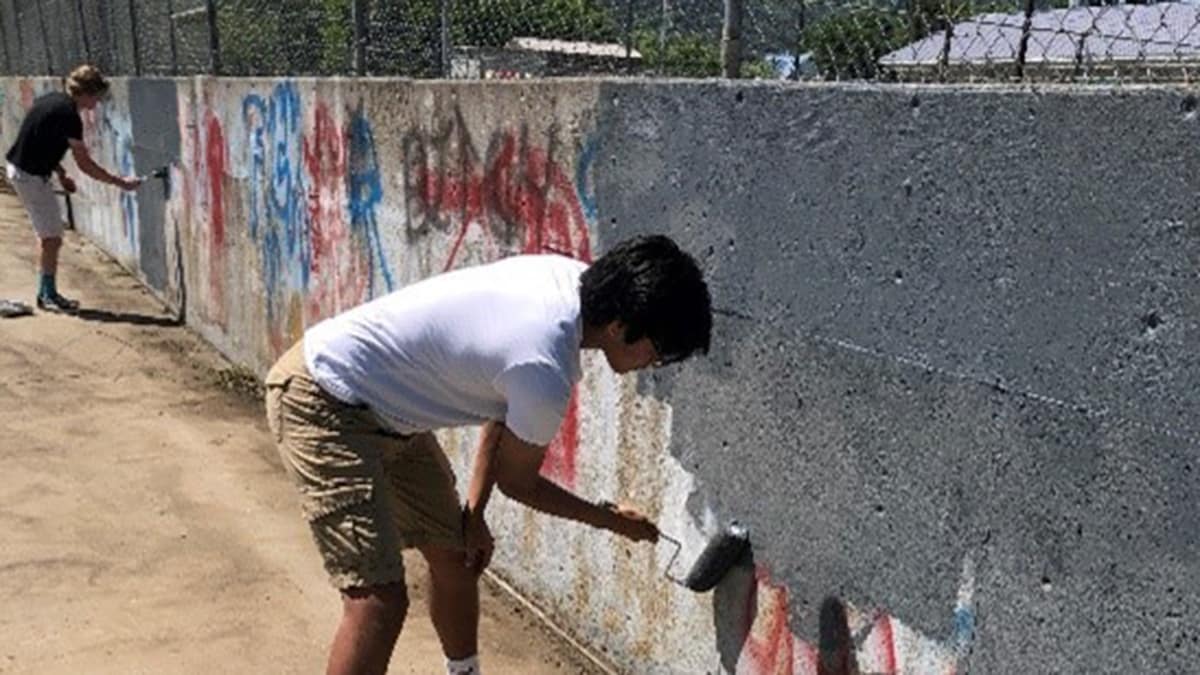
point(467, 666)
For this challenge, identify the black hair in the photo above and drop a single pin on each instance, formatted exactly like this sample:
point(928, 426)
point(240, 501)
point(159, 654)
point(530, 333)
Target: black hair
point(656, 289)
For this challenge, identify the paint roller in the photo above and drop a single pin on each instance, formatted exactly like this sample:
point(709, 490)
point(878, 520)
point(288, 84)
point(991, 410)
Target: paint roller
point(160, 172)
point(723, 552)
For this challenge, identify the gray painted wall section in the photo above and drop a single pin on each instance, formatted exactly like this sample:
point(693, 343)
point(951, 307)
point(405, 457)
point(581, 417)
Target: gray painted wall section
point(956, 327)
point(155, 107)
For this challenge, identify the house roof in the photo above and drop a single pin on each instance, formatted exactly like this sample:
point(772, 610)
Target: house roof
point(1167, 31)
point(610, 50)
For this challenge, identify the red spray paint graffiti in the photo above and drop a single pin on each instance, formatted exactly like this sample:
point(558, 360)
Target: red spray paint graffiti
point(214, 155)
point(519, 199)
point(559, 463)
point(769, 646)
point(882, 641)
point(517, 196)
point(339, 271)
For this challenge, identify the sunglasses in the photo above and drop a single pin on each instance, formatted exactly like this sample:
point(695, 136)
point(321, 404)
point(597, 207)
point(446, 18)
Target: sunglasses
point(665, 358)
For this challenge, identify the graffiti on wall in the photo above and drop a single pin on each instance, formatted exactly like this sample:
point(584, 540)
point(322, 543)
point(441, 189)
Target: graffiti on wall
point(514, 195)
point(510, 195)
point(204, 204)
point(108, 133)
point(312, 191)
point(758, 639)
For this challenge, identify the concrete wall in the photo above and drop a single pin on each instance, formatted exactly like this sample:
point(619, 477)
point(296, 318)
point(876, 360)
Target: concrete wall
point(954, 351)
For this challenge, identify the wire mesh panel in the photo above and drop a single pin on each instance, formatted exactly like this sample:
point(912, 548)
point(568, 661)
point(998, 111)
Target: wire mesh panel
point(985, 40)
point(522, 38)
point(193, 36)
point(866, 40)
point(297, 37)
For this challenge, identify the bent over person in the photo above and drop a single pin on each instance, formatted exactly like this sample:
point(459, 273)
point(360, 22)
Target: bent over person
point(353, 404)
point(51, 126)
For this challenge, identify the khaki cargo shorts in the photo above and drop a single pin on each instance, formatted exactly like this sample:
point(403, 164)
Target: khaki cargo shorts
point(366, 493)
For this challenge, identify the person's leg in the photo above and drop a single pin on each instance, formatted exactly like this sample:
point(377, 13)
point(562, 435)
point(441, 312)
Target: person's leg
point(48, 296)
point(332, 452)
point(453, 601)
point(429, 517)
point(41, 204)
point(48, 248)
point(371, 621)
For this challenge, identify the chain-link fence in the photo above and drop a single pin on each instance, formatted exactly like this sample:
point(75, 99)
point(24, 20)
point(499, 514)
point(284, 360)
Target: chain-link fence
point(874, 40)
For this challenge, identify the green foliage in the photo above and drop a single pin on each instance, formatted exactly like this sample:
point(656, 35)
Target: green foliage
point(687, 55)
point(492, 23)
point(337, 37)
point(275, 41)
point(847, 45)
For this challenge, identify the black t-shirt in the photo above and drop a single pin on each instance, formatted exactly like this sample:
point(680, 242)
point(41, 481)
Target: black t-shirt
point(42, 141)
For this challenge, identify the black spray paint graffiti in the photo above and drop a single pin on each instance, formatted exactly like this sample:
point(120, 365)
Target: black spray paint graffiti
point(519, 196)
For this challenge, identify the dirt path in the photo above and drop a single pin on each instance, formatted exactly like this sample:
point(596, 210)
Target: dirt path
point(147, 525)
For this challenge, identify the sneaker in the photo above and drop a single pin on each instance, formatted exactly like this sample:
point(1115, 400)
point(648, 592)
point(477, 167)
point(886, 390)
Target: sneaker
point(56, 303)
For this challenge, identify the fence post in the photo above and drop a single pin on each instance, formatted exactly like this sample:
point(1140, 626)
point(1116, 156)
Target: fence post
point(45, 40)
point(171, 38)
point(133, 25)
point(731, 40)
point(4, 44)
point(1023, 46)
point(359, 15)
point(801, 26)
point(445, 50)
point(628, 30)
point(664, 25)
point(20, 41)
point(87, 43)
point(944, 57)
point(214, 40)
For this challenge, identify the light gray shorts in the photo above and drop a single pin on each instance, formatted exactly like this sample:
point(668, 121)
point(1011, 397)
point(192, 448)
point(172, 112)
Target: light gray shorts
point(37, 194)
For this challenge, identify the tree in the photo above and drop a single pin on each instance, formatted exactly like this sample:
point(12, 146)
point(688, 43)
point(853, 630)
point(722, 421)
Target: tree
point(278, 41)
point(492, 23)
point(403, 38)
point(847, 45)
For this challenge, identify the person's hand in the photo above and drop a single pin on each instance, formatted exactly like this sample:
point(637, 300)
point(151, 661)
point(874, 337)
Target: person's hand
point(479, 542)
point(630, 523)
point(129, 182)
point(68, 183)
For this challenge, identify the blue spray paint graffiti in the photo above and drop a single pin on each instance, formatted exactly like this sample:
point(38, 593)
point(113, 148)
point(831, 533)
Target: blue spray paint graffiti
point(278, 219)
point(128, 200)
point(254, 114)
point(121, 142)
point(365, 191)
point(587, 198)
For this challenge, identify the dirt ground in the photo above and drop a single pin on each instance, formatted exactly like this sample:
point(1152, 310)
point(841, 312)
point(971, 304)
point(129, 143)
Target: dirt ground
point(147, 525)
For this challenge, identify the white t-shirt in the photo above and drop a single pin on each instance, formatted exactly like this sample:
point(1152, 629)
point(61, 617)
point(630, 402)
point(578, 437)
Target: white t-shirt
point(494, 342)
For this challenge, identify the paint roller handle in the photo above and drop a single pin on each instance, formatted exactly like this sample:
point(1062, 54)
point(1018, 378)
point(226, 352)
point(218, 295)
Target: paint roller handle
point(160, 172)
point(129, 182)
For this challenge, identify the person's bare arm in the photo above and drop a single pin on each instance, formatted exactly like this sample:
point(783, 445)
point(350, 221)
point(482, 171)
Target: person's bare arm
point(479, 542)
point(87, 165)
point(516, 468)
point(66, 181)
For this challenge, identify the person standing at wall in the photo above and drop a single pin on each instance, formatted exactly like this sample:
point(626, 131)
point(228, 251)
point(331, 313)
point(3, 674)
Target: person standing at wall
point(352, 406)
point(51, 126)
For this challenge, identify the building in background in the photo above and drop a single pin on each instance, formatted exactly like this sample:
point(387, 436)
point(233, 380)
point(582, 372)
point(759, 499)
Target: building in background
point(1131, 42)
point(525, 57)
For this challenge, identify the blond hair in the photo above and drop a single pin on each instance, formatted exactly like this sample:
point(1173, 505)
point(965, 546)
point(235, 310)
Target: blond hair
point(86, 80)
